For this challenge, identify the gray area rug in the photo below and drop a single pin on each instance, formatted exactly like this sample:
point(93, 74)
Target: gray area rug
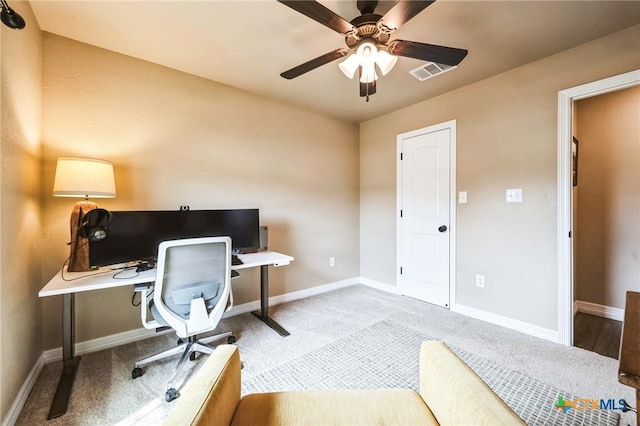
point(385, 355)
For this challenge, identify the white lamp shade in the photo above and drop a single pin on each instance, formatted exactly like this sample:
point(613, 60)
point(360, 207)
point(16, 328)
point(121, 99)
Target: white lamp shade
point(349, 66)
point(385, 61)
point(84, 177)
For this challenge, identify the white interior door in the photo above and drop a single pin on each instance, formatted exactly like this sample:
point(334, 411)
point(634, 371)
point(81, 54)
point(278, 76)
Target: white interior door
point(425, 221)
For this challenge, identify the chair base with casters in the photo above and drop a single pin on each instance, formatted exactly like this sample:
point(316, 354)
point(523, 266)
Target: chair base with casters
point(187, 348)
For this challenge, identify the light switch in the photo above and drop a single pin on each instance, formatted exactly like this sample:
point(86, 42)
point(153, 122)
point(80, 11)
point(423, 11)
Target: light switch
point(462, 197)
point(514, 195)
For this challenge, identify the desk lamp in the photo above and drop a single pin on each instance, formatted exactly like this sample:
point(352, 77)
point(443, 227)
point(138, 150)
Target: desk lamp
point(83, 178)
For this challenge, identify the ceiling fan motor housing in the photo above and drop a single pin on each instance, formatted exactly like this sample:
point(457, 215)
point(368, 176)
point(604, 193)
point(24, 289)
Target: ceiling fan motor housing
point(367, 26)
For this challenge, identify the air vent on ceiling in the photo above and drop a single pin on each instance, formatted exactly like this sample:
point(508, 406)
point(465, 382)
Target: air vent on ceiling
point(429, 70)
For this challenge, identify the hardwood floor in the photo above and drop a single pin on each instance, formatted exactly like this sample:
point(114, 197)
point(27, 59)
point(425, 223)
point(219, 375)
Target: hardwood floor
point(597, 334)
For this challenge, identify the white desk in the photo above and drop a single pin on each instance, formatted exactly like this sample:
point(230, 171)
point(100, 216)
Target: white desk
point(75, 282)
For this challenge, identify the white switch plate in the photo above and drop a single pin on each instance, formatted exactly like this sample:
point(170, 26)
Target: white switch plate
point(480, 281)
point(462, 197)
point(332, 261)
point(514, 195)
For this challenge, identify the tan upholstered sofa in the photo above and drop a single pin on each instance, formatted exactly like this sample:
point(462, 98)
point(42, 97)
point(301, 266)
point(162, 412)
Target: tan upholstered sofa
point(450, 394)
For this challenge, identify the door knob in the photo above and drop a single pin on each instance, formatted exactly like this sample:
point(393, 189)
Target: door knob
point(442, 228)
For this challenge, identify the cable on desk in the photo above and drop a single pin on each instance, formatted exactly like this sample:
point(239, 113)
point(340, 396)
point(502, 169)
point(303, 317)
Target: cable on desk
point(123, 269)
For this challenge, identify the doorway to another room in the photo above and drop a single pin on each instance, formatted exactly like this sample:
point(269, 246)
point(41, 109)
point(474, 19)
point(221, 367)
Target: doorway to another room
point(599, 203)
point(606, 207)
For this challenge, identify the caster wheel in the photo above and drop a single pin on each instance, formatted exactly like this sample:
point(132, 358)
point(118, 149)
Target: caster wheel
point(171, 394)
point(136, 372)
point(192, 356)
point(231, 340)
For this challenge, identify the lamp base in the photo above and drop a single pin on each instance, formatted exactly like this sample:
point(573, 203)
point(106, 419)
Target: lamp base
point(79, 257)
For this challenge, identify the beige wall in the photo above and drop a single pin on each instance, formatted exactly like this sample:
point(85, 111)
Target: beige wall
point(506, 138)
point(178, 139)
point(608, 229)
point(20, 252)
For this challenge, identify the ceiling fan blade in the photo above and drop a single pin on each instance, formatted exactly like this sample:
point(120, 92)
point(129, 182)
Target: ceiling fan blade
point(314, 63)
point(321, 14)
point(402, 12)
point(427, 52)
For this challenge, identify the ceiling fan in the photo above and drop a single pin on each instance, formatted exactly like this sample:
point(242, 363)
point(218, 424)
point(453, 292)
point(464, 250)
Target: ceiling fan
point(367, 38)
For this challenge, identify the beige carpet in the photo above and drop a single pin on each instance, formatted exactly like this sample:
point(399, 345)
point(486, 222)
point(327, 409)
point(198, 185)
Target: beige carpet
point(105, 394)
point(385, 355)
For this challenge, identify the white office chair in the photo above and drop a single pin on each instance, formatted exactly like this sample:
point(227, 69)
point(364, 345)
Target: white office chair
point(191, 292)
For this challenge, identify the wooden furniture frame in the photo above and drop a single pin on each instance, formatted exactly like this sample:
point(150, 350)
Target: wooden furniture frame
point(629, 367)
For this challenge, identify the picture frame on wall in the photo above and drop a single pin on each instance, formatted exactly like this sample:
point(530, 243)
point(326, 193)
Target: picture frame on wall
point(574, 161)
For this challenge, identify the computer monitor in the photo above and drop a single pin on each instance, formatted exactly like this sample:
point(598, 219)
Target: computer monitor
point(135, 235)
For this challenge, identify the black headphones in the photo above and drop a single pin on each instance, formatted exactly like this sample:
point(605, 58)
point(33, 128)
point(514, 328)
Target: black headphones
point(94, 224)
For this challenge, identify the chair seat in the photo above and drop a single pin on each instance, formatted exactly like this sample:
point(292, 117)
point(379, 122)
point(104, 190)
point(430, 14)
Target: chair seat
point(338, 407)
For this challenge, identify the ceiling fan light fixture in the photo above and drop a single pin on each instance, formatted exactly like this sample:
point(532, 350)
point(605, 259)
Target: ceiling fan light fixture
point(349, 66)
point(385, 61)
point(368, 73)
point(367, 53)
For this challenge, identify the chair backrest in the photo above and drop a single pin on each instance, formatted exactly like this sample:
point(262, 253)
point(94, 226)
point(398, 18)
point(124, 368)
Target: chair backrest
point(193, 282)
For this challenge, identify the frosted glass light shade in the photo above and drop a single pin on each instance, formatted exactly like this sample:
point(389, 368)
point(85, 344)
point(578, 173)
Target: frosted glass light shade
point(368, 74)
point(349, 66)
point(84, 178)
point(367, 53)
point(385, 61)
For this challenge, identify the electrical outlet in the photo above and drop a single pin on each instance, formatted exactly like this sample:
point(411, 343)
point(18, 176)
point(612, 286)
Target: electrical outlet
point(462, 197)
point(332, 261)
point(480, 281)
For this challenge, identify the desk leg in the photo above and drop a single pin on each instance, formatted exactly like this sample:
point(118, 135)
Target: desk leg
point(263, 313)
point(70, 362)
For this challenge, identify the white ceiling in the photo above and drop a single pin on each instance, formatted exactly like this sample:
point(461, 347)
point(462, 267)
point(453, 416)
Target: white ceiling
point(247, 44)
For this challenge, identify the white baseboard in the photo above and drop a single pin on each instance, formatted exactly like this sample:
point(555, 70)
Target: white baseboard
point(379, 285)
point(599, 310)
point(23, 393)
point(289, 297)
point(130, 336)
point(105, 342)
point(523, 327)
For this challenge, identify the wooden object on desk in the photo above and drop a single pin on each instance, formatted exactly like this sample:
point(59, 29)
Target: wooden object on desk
point(629, 367)
point(79, 257)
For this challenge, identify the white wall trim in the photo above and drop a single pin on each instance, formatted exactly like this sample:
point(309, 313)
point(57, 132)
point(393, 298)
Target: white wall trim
point(523, 327)
point(23, 393)
point(600, 310)
point(565, 217)
point(101, 343)
point(117, 339)
point(106, 342)
point(379, 285)
point(289, 297)
point(138, 334)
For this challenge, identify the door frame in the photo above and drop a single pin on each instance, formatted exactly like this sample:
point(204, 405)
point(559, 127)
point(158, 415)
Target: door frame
point(565, 208)
point(451, 125)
